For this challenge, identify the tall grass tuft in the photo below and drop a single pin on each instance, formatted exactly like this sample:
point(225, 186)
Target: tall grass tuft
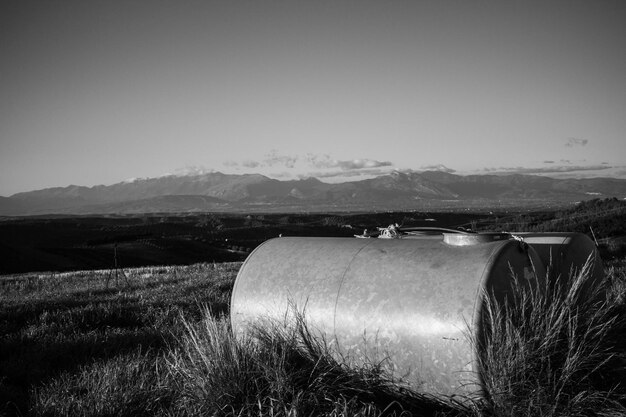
point(282, 371)
point(555, 350)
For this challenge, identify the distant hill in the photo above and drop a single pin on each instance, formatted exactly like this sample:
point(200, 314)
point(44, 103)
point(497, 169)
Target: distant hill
point(252, 192)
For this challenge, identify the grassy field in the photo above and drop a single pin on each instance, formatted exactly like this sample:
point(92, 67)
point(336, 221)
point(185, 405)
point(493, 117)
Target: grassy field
point(76, 340)
point(157, 343)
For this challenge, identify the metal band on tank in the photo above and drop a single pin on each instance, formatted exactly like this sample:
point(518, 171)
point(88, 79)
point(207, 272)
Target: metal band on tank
point(343, 278)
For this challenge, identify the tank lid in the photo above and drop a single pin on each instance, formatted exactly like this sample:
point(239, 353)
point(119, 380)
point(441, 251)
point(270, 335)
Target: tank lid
point(466, 239)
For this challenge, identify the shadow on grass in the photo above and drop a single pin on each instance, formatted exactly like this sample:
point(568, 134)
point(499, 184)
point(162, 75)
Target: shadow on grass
point(88, 310)
point(41, 340)
point(28, 360)
point(80, 314)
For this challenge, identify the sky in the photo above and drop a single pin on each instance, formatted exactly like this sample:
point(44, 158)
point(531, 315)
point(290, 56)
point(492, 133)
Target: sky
point(98, 92)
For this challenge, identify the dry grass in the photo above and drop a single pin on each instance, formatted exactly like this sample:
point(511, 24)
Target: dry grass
point(58, 327)
point(549, 354)
point(160, 346)
point(282, 371)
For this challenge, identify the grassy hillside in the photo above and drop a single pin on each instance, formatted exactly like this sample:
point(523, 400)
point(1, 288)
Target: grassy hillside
point(607, 219)
point(156, 343)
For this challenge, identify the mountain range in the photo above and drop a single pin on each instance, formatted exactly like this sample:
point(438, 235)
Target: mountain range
point(253, 192)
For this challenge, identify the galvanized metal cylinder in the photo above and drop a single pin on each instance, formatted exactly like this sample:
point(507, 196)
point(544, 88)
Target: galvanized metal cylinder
point(565, 252)
point(414, 302)
point(565, 255)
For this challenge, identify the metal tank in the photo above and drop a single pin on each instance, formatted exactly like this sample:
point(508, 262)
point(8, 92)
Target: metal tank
point(564, 255)
point(411, 302)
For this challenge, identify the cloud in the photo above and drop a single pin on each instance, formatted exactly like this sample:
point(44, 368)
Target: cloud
point(367, 172)
point(548, 162)
point(559, 169)
point(193, 170)
point(273, 158)
point(439, 167)
point(362, 164)
point(319, 161)
point(571, 168)
point(311, 161)
point(326, 162)
point(278, 165)
point(250, 164)
point(571, 142)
